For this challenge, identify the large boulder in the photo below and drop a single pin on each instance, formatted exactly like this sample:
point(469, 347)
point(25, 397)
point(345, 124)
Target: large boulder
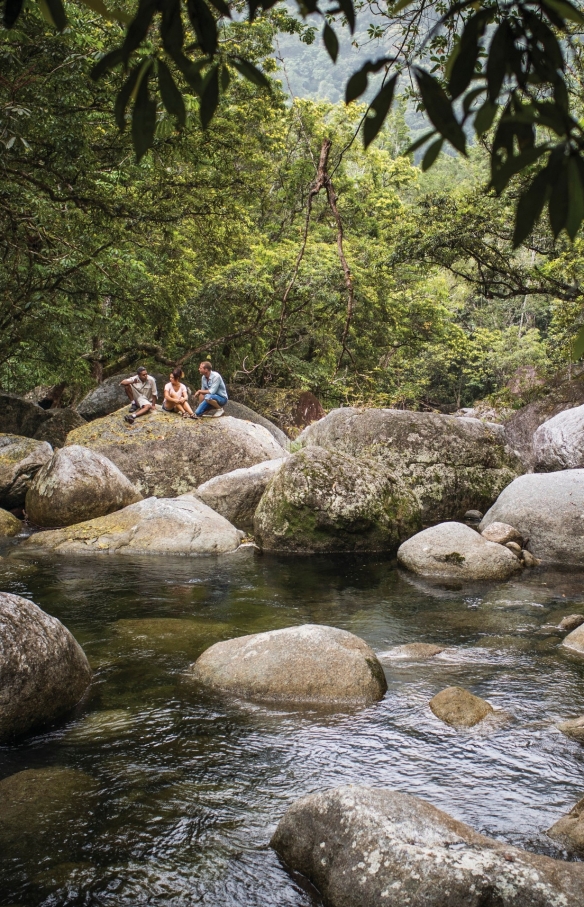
point(109, 396)
point(451, 464)
point(241, 411)
point(237, 494)
point(19, 416)
point(77, 484)
point(559, 442)
point(290, 408)
point(323, 501)
point(547, 509)
point(166, 456)
point(9, 525)
point(364, 846)
point(20, 460)
point(55, 429)
point(170, 526)
point(455, 551)
point(43, 670)
point(569, 830)
point(308, 664)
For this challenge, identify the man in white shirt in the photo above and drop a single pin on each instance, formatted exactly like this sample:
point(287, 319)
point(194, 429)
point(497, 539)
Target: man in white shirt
point(141, 390)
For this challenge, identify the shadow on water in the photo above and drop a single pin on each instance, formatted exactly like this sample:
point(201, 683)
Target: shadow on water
point(155, 793)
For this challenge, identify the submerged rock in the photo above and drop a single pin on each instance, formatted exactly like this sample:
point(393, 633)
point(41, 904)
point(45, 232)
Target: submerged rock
point(20, 460)
point(547, 509)
point(575, 640)
point(236, 495)
point(574, 728)
point(9, 525)
point(77, 484)
point(416, 650)
point(502, 534)
point(559, 442)
point(364, 846)
point(169, 635)
point(459, 708)
point(170, 526)
point(43, 670)
point(322, 501)
point(569, 830)
point(456, 551)
point(450, 464)
point(166, 456)
point(307, 664)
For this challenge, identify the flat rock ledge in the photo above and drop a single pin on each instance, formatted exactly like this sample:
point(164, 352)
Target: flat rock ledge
point(363, 846)
point(569, 831)
point(455, 551)
point(460, 708)
point(307, 664)
point(182, 526)
point(43, 670)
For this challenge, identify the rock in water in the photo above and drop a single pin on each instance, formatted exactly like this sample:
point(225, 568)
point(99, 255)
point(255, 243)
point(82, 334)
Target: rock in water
point(456, 551)
point(20, 460)
point(459, 708)
point(502, 534)
point(366, 847)
point(9, 525)
point(169, 526)
point(323, 501)
point(237, 494)
point(308, 664)
point(19, 416)
point(569, 830)
point(547, 509)
point(416, 650)
point(166, 456)
point(575, 640)
point(56, 429)
point(43, 670)
point(559, 442)
point(573, 728)
point(77, 484)
point(451, 464)
point(570, 622)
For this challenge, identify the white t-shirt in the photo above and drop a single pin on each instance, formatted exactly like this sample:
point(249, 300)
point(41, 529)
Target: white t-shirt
point(181, 390)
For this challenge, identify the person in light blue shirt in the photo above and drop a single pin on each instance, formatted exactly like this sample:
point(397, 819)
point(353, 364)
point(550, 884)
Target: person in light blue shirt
point(213, 393)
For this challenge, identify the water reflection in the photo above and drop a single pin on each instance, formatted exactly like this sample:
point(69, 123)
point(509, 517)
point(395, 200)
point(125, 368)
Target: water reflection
point(178, 792)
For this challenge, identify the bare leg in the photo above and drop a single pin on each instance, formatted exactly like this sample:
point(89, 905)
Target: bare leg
point(129, 393)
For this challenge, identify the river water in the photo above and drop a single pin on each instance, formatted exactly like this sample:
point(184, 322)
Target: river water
point(187, 788)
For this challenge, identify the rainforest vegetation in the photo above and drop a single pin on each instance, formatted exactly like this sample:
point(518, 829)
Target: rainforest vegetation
point(380, 283)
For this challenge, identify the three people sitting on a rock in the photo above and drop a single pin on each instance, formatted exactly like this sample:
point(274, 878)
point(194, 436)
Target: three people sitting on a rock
point(143, 394)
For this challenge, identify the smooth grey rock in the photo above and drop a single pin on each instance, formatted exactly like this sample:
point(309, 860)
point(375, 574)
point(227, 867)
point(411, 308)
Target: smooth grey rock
point(451, 464)
point(20, 460)
point(19, 416)
point(456, 551)
point(570, 622)
point(573, 728)
point(569, 830)
point(56, 429)
point(473, 516)
point(241, 411)
point(108, 396)
point(502, 533)
point(415, 650)
point(575, 640)
point(77, 484)
point(169, 526)
point(460, 708)
point(529, 560)
point(364, 847)
point(559, 442)
point(166, 456)
point(547, 509)
point(43, 670)
point(236, 495)
point(321, 501)
point(9, 525)
point(308, 664)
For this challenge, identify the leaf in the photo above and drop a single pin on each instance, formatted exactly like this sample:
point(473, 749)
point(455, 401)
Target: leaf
point(171, 28)
point(514, 163)
point(225, 78)
point(123, 97)
point(114, 15)
point(170, 94)
point(530, 207)
point(484, 117)
point(432, 153)
point(209, 96)
point(138, 27)
point(463, 66)
point(497, 60)
point(221, 7)
point(143, 119)
point(419, 142)
point(380, 106)
point(578, 345)
point(331, 42)
point(470, 97)
point(358, 82)
point(559, 202)
point(566, 10)
point(204, 24)
point(346, 7)
point(12, 10)
point(439, 110)
point(108, 61)
point(54, 13)
point(252, 73)
point(401, 5)
point(576, 196)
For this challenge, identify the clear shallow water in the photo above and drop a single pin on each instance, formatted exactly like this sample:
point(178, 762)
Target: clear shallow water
point(187, 788)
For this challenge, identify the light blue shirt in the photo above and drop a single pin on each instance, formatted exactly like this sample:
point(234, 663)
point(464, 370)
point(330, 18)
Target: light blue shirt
point(214, 384)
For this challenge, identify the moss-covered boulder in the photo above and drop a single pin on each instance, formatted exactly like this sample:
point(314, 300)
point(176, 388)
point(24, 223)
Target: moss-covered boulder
point(19, 416)
point(43, 670)
point(58, 426)
point(9, 525)
point(166, 456)
point(322, 501)
point(77, 484)
point(450, 464)
point(20, 460)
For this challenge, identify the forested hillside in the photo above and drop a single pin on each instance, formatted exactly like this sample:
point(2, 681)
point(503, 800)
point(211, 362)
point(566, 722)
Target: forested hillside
point(198, 250)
